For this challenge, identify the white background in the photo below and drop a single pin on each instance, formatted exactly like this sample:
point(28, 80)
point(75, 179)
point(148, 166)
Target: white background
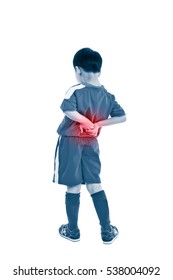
point(38, 41)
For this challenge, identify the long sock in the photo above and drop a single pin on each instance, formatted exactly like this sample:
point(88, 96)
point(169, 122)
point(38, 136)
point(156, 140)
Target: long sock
point(72, 209)
point(102, 209)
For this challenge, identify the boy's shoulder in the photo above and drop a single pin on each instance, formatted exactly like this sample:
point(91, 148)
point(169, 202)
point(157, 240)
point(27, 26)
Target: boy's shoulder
point(80, 88)
point(72, 89)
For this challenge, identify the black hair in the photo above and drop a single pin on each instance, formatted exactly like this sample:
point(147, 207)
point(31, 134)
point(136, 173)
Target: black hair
point(88, 60)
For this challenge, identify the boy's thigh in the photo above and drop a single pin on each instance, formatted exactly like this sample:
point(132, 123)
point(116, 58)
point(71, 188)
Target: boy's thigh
point(70, 170)
point(91, 165)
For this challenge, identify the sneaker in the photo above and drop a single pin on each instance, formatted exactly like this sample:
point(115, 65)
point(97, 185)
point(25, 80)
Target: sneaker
point(72, 235)
point(109, 236)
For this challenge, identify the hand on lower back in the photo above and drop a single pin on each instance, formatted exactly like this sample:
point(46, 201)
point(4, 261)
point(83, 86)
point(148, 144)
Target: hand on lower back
point(94, 131)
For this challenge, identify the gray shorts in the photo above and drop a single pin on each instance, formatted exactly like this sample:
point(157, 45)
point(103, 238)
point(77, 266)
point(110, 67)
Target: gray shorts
point(76, 161)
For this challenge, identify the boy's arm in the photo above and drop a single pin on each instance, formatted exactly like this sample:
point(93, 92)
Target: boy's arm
point(112, 120)
point(77, 117)
point(87, 125)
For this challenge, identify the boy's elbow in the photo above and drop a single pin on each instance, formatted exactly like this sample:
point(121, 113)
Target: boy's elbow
point(123, 118)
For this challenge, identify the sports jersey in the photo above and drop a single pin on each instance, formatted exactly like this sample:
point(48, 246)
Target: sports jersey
point(93, 102)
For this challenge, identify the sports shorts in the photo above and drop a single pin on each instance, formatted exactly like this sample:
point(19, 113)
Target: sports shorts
point(76, 161)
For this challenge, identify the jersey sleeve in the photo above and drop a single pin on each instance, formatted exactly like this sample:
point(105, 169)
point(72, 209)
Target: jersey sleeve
point(116, 110)
point(69, 104)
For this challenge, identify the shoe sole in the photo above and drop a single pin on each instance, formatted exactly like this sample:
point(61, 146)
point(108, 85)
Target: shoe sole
point(68, 238)
point(110, 242)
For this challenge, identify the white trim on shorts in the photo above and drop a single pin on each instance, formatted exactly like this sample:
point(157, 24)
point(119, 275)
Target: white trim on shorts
point(56, 162)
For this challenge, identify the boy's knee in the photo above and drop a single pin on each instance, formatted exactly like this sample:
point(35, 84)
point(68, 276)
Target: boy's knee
point(75, 189)
point(94, 188)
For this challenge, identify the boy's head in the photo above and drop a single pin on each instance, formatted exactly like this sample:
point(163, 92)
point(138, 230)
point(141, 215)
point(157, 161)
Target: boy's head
point(88, 60)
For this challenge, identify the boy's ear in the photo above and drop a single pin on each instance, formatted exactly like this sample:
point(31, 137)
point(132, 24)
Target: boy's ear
point(78, 70)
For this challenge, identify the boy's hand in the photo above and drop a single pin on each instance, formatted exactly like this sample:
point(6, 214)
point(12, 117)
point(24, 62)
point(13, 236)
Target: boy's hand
point(93, 132)
point(86, 127)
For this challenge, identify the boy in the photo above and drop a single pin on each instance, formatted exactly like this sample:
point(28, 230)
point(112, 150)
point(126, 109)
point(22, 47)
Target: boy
point(87, 107)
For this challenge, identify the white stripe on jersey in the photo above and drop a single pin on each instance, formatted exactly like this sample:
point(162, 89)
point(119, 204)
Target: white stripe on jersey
point(72, 89)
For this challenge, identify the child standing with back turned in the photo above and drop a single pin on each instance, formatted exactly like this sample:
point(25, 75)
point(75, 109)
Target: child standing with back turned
point(87, 107)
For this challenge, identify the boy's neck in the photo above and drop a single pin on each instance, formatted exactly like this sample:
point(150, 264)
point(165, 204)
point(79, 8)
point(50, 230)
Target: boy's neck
point(91, 78)
point(94, 83)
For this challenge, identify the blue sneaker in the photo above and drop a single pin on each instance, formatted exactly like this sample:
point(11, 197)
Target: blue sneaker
point(109, 236)
point(72, 235)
